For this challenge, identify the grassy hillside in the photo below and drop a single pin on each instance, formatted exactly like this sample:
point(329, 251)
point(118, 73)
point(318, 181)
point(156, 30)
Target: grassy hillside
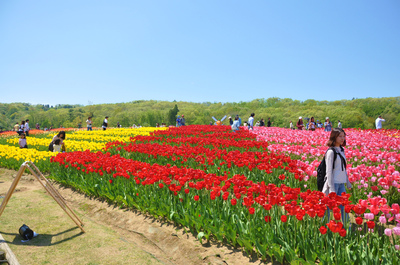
point(356, 113)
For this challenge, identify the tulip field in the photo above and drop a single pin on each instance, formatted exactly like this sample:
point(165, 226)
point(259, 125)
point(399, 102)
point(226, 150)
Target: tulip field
point(255, 190)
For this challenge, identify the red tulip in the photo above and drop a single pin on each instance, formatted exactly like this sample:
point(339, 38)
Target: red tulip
point(371, 224)
point(359, 220)
point(323, 230)
point(284, 218)
point(251, 210)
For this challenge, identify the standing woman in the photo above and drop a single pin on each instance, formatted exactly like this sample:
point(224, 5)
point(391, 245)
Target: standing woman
point(21, 128)
point(89, 123)
point(105, 123)
point(328, 125)
point(26, 128)
point(311, 125)
point(336, 174)
point(300, 123)
point(251, 121)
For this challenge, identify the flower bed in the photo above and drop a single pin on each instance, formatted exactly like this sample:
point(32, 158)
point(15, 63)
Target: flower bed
point(263, 201)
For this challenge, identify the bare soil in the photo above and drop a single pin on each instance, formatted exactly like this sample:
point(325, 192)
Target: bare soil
point(113, 235)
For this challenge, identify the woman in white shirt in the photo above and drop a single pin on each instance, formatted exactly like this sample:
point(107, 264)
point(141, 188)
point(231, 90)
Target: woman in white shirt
point(336, 174)
point(89, 123)
point(251, 121)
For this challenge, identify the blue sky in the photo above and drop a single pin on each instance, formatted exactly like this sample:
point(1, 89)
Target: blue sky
point(93, 51)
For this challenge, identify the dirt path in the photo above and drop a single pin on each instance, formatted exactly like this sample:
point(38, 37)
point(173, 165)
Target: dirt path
point(113, 235)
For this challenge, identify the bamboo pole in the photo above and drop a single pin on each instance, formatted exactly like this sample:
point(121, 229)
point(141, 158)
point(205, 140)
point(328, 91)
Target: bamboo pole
point(12, 260)
point(56, 196)
point(47, 186)
point(12, 188)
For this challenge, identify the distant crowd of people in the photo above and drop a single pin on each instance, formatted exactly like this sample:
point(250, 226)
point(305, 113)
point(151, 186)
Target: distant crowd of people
point(57, 143)
point(22, 128)
point(250, 124)
point(312, 125)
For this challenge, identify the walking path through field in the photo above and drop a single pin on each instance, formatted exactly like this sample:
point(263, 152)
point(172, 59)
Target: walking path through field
point(113, 235)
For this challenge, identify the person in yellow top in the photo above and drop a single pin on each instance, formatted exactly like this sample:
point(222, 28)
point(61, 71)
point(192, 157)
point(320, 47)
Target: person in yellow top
point(16, 127)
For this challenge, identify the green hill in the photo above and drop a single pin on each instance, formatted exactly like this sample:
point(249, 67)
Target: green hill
point(356, 113)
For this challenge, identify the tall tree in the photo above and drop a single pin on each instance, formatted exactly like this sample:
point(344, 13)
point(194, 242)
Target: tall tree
point(172, 115)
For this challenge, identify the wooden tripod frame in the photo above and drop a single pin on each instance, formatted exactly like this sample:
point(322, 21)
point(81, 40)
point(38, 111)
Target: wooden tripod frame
point(48, 187)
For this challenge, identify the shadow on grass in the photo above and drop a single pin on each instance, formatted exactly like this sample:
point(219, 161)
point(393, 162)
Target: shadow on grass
point(42, 240)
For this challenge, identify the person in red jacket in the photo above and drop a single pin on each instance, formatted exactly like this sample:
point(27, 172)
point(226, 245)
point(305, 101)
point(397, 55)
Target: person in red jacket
point(300, 124)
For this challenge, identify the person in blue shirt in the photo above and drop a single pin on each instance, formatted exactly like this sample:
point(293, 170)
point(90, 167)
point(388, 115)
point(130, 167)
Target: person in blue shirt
point(235, 125)
point(178, 121)
point(239, 119)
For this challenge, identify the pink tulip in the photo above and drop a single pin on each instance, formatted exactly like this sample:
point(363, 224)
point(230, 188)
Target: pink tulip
point(369, 216)
point(396, 230)
point(388, 232)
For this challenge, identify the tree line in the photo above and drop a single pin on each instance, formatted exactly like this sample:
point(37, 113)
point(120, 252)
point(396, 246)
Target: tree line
point(355, 113)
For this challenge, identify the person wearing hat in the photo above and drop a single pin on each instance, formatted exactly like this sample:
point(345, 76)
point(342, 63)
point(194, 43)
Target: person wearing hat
point(178, 121)
point(230, 120)
point(183, 122)
point(327, 125)
point(105, 123)
point(300, 124)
